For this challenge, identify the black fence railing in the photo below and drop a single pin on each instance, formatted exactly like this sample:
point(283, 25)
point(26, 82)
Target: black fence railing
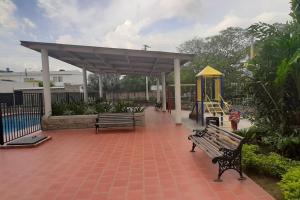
point(32, 99)
point(72, 97)
point(20, 120)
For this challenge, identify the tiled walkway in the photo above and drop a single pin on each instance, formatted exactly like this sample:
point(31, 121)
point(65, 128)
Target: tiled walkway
point(151, 163)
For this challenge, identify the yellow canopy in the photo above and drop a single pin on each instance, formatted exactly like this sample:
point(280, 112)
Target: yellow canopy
point(208, 71)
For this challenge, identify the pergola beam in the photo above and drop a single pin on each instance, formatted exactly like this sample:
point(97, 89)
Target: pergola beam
point(37, 46)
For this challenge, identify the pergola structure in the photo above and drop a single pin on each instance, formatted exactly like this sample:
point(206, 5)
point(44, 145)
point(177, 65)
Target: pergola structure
point(103, 60)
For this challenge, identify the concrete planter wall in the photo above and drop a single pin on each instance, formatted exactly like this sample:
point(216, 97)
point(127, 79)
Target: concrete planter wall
point(80, 121)
point(139, 119)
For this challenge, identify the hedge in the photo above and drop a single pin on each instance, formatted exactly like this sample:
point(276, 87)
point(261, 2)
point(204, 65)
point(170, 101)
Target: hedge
point(272, 164)
point(290, 184)
point(277, 166)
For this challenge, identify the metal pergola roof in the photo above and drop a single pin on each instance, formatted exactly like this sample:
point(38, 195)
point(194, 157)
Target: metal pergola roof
point(112, 60)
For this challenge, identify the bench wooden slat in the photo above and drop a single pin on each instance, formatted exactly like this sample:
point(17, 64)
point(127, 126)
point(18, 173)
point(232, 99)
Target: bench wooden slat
point(221, 142)
point(203, 142)
point(117, 120)
point(214, 139)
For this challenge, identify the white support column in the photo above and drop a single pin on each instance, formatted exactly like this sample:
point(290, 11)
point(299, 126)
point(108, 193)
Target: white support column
point(85, 94)
point(177, 91)
point(46, 82)
point(157, 91)
point(100, 86)
point(164, 100)
point(147, 89)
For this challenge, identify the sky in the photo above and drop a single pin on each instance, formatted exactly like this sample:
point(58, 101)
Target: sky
point(161, 24)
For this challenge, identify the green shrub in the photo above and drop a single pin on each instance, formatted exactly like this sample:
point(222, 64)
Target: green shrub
point(272, 164)
point(93, 108)
point(120, 107)
point(78, 109)
point(58, 109)
point(68, 112)
point(103, 107)
point(290, 184)
point(250, 158)
point(137, 109)
point(90, 110)
point(252, 134)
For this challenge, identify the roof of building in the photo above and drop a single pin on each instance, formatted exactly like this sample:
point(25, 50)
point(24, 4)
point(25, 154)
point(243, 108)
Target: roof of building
point(38, 73)
point(112, 60)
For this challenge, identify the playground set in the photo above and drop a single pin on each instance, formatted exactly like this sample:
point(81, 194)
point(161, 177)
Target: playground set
point(209, 95)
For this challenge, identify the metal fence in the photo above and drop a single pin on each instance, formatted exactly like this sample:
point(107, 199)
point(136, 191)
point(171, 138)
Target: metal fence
point(20, 120)
point(72, 97)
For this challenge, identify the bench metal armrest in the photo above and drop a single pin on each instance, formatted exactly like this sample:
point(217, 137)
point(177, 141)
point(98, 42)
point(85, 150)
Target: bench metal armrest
point(225, 150)
point(228, 154)
point(199, 133)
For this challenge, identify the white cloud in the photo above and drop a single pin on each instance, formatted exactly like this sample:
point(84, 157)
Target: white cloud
point(9, 22)
point(28, 23)
point(7, 18)
point(120, 23)
point(272, 17)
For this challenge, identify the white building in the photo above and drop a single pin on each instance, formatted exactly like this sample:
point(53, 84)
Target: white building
point(10, 81)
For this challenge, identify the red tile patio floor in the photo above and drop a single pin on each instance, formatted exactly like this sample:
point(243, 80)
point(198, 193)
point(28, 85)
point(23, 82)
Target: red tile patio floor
point(150, 163)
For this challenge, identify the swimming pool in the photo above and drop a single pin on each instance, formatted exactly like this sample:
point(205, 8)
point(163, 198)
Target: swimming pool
point(21, 124)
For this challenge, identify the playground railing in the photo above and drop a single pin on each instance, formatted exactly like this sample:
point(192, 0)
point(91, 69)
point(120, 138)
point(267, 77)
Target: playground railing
point(225, 103)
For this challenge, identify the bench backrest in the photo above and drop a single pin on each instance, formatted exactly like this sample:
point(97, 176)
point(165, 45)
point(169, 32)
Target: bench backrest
point(223, 138)
point(115, 117)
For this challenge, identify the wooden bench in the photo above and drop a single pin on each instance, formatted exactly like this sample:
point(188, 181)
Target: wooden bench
point(222, 146)
point(115, 120)
point(158, 106)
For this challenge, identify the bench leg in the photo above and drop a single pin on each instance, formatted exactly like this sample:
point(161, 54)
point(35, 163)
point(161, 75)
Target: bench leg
point(241, 173)
point(242, 177)
point(219, 175)
point(193, 147)
point(223, 166)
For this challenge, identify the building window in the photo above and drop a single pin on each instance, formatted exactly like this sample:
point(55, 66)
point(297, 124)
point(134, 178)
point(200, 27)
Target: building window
point(57, 79)
point(28, 79)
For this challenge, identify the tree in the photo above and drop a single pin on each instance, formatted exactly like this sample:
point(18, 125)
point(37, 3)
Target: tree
point(275, 84)
point(224, 51)
point(117, 83)
point(295, 10)
point(111, 82)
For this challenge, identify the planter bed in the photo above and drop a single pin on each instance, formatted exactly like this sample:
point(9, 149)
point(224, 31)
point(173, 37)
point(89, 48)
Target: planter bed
point(80, 121)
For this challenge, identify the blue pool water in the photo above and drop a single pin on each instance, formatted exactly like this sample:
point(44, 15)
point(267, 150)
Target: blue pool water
point(15, 123)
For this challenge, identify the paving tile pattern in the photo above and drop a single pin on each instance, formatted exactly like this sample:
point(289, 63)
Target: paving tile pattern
point(150, 163)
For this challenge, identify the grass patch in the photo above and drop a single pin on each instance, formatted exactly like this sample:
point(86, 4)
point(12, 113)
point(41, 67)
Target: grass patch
point(268, 183)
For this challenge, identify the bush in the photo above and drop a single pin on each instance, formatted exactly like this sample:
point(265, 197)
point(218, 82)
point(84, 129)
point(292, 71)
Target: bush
point(120, 107)
point(90, 110)
point(77, 109)
point(290, 184)
point(252, 134)
point(58, 109)
point(103, 107)
point(288, 146)
point(93, 108)
point(272, 164)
